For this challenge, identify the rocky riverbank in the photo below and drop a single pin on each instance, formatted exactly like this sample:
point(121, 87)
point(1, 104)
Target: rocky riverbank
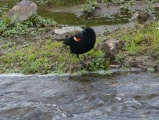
point(31, 47)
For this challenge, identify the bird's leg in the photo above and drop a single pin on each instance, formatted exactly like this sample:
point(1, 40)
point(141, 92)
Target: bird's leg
point(84, 56)
point(70, 57)
point(80, 60)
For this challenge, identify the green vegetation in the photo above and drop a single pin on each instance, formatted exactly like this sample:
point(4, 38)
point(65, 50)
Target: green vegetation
point(59, 2)
point(130, 1)
point(151, 1)
point(99, 63)
point(141, 40)
point(126, 7)
point(33, 27)
point(3, 9)
point(39, 56)
point(29, 58)
point(21, 54)
point(89, 7)
point(114, 1)
point(46, 56)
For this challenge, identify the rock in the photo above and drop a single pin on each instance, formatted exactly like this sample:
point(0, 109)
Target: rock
point(143, 16)
point(111, 46)
point(24, 10)
point(67, 29)
point(64, 32)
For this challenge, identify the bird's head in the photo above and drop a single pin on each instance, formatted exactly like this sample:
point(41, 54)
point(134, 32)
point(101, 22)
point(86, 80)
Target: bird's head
point(89, 32)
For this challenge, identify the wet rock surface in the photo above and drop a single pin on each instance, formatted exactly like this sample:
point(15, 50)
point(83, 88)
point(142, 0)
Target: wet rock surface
point(126, 95)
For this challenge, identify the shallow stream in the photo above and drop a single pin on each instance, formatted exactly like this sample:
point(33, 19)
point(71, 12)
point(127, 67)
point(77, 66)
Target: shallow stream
point(120, 96)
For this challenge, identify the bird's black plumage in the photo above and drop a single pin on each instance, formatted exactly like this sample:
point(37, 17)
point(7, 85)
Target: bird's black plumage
point(81, 42)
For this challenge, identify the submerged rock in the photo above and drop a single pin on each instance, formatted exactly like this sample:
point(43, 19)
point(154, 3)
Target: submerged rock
point(24, 10)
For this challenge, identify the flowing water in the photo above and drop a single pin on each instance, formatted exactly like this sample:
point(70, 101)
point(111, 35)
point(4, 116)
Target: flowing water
point(120, 96)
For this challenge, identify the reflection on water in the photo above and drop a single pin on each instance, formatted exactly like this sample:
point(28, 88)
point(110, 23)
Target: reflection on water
point(121, 96)
point(61, 11)
point(72, 19)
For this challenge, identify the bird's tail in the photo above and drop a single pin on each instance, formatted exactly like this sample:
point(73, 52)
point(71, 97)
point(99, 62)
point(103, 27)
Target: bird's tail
point(61, 39)
point(64, 40)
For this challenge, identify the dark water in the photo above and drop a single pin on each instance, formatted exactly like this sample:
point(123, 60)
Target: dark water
point(121, 96)
point(59, 11)
point(71, 18)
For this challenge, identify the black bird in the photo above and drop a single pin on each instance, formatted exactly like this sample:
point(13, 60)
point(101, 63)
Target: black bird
point(81, 42)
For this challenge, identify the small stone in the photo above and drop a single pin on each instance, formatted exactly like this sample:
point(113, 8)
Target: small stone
point(101, 103)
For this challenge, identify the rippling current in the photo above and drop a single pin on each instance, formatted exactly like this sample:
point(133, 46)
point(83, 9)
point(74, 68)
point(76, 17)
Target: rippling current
point(120, 96)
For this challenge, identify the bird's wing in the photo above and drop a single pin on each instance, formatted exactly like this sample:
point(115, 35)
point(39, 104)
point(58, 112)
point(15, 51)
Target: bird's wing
point(74, 40)
point(79, 36)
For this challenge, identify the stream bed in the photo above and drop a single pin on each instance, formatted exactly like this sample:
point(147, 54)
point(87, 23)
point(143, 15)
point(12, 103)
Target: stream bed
point(119, 96)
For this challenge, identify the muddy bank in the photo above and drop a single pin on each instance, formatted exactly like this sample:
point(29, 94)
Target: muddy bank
point(104, 9)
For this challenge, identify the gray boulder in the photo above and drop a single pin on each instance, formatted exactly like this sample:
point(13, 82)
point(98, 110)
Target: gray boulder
point(23, 10)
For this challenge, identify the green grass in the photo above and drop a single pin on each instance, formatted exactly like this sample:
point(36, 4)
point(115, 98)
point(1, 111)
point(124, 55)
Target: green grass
point(141, 40)
point(41, 55)
point(89, 7)
point(47, 56)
